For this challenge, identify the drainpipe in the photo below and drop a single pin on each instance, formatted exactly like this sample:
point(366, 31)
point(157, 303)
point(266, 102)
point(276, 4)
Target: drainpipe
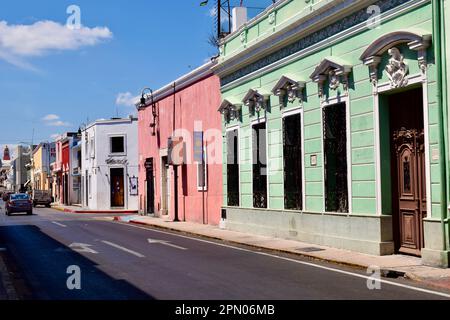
point(442, 110)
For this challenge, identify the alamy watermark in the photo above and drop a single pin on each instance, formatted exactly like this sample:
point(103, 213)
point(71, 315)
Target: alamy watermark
point(374, 20)
point(74, 19)
point(374, 281)
point(74, 280)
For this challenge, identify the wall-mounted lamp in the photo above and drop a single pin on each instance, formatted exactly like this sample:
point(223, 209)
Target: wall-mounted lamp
point(147, 93)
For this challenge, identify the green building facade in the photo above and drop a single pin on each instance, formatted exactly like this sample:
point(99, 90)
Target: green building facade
point(335, 125)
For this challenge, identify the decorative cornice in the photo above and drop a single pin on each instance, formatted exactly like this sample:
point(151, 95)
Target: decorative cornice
point(230, 110)
point(416, 40)
point(185, 81)
point(358, 17)
point(397, 70)
point(333, 70)
point(290, 88)
point(255, 100)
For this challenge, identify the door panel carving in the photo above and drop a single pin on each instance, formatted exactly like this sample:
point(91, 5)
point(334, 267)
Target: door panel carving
point(410, 160)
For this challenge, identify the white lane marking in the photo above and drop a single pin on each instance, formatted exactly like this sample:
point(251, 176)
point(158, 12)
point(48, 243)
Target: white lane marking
point(59, 224)
point(137, 254)
point(165, 243)
point(82, 247)
point(437, 293)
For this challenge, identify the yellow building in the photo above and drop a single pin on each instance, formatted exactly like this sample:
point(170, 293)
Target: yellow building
point(43, 155)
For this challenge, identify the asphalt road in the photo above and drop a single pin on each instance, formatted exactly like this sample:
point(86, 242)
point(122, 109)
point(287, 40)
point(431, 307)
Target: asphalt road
point(120, 261)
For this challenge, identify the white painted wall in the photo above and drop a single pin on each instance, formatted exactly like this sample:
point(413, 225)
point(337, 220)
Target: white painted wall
point(94, 161)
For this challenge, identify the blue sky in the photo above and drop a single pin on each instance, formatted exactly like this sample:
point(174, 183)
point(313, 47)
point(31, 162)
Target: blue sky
point(53, 83)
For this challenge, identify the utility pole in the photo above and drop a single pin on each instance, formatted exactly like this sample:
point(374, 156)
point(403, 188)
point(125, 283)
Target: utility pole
point(223, 6)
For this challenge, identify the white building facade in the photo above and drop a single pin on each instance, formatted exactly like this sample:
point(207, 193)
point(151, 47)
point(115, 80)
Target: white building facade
point(109, 153)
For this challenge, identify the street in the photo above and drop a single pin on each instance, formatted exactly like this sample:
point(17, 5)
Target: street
point(119, 261)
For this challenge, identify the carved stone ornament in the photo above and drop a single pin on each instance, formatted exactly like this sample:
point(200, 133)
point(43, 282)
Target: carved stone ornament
point(286, 87)
point(272, 18)
point(333, 80)
point(336, 73)
point(255, 101)
point(292, 93)
point(230, 111)
point(397, 69)
point(243, 36)
point(423, 65)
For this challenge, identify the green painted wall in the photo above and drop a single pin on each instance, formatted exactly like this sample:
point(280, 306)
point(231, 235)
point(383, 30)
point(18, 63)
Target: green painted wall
point(362, 123)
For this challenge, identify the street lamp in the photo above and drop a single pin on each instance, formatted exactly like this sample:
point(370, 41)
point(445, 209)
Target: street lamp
point(146, 94)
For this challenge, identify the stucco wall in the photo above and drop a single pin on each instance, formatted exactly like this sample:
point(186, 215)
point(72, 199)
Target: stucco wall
point(99, 169)
point(362, 125)
point(196, 103)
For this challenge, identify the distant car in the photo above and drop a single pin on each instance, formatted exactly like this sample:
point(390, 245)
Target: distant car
point(43, 198)
point(6, 195)
point(19, 202)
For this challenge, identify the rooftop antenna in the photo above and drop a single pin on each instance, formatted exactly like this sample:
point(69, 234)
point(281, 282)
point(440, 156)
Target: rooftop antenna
point(32, 139)
point(223, 8)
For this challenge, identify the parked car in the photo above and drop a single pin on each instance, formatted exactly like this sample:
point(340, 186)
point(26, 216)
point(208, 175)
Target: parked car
point(43, 198)
point(19, 202)
point(6, 195)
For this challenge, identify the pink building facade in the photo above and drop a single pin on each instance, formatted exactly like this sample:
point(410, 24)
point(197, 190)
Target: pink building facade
point(186, 111)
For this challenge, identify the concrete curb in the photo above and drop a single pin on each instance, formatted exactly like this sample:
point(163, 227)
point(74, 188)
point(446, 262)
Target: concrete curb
point(67, 210)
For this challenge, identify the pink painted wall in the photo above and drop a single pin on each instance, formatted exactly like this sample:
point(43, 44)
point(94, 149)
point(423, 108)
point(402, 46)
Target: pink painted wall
point(196, 103)
point(57, 193)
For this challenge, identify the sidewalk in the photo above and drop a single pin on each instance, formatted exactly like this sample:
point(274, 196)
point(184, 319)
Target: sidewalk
point(406, 266)
point(80, 210)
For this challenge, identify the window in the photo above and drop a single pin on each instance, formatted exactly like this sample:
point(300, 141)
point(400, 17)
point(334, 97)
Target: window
point(78, 162)
point(92, 145)
point(233, 168)
point(292, 154)
point(259, 166)
point(117, 144)
point(202, 173)
point(335, 157)
point(86, 150)
point(90, 186)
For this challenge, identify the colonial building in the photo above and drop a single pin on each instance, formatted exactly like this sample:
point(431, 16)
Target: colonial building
point(43, 155)
point(63, 179)
point(75, 197)
point(23, 157)
point(109, 155)
point(5, 169)
point(180, 142)
point(336, 126)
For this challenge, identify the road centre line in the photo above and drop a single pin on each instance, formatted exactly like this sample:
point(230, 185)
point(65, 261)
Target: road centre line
point(165, 243)
point(137, 254)
point(59, 224)
point(296, 261)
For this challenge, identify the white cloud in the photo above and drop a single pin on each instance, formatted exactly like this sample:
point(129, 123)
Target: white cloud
point(51, 117)
point(43, 37)
point(54, 120)
point(126, 99)
point(54, 136)
point(59, 124)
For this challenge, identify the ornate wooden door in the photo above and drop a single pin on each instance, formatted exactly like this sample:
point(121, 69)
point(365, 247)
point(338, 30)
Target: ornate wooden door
point(150, 181)
point(117, 188)
point(410, 161)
